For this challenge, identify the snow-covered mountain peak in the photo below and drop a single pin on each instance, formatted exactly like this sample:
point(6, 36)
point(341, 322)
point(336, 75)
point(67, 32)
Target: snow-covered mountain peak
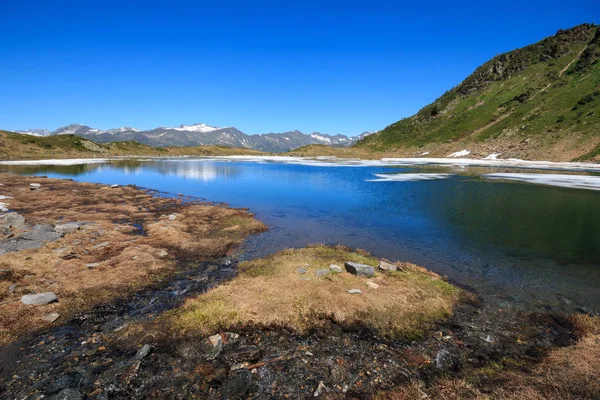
point(202, 128)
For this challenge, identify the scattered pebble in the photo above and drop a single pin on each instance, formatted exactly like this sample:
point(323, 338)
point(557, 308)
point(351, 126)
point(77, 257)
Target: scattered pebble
point(93, 265)
point(354, 291)
point(320, 389)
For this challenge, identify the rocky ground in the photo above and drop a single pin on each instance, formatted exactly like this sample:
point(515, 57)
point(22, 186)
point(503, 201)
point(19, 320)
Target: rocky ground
point(113, 348)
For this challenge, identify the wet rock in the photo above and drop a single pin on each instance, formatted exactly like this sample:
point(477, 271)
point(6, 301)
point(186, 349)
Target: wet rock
point(322, 272)
point(238, 384)
point(335, 269)
point(6, 274)
point(354, 291)
point(34, 186)
point(387, 266)
point(372, 285)
point(93, 265)
point(320, 389)
point(162, 254)
point(67, 228)
point(301, 271)
point(39, 299)
point(50, 318)
point(101, 245)
point(143, 352)
point(67, 394)
point(242, 353)
point(360, 269)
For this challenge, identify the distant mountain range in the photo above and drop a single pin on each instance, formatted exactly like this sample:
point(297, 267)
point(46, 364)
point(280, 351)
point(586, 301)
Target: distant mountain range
point(202, 135)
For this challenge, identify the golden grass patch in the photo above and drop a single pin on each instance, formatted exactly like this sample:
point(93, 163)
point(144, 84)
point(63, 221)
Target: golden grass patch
point(129, 261)
point(272, 292)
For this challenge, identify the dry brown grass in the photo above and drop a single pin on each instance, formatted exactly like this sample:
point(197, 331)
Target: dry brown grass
point(270, 292)
point(566, 373)
point(130, 261)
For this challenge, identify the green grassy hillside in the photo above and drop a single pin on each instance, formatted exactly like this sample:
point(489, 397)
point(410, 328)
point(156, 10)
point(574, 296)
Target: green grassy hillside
point(540, 101)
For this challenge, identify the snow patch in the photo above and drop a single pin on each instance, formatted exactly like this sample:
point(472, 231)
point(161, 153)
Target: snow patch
point(202, 128)
point(462, 153)
point(408, 177)
point(589, 182)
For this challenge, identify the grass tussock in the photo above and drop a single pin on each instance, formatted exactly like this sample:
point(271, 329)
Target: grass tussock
point(271, 292)
point(124, 231)
point(566, 373)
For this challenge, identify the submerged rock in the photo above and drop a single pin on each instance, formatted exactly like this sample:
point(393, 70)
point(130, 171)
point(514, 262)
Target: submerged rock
point(39, 299)
point(360, 269)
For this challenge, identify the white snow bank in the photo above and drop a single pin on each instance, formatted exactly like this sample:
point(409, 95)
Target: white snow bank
point(493, 156)
point(408, 177)
point(571, 181)
point(462, 153)
point(72, 161)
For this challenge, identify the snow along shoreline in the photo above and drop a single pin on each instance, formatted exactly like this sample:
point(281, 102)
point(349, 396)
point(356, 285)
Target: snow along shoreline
point(339, 162)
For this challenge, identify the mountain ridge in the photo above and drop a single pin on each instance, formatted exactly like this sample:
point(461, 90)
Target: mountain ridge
point(199, 134)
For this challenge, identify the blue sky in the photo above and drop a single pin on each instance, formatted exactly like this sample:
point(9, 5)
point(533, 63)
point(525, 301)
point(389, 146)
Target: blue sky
point(329, 66)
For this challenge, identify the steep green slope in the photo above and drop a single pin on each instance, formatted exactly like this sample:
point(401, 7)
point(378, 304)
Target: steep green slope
point(538, 100)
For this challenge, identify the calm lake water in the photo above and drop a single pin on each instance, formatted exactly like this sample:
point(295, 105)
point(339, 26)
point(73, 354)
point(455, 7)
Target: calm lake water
point(518, 244)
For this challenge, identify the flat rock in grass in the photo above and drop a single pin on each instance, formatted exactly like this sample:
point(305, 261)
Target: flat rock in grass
point(41, 233)
point(301, 271)
point(34, 186)
point(354, 291)
point(67, 228)
point(372, 285)
point(387, 266)
point(359, 269)
point(50, 318)
point(336, 269)
point(101, 245)
point(162, 254)
point(12, 220)
point(93, 265)
point(322, 272)
point(39, 299)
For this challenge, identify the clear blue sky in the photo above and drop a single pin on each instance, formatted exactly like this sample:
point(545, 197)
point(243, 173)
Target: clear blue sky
point(329, 66)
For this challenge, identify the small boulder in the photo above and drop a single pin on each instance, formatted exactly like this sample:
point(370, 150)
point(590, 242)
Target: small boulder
point(238, 384)
point(354, 291)
point(143, 352)
point(172, 217)
point(387, 266)
point(372, 285)
point(39, 299)
point(336, 269)
point(50, 318)
point(162, 254)
point(66, 228)
point(322, 272)
point(360, 269)
point(213, 346)
point(34, 186)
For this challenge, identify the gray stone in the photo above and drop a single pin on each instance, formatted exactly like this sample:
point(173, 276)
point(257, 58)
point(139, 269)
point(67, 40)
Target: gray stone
point(50, 318)
point(39, 299)
point(34, 239)
point(214, 345)
point(301, 271)
point(360, 269)
point(12, 220)
point(101, 245)
point(34, 186)
point(354, 291)
point(12, 288)
point(93, 265)
point(387, 266)
point(372, 285)
point(143, 352)
point(445, 359)
point(322, 272)
point(336, 269)
point(67, 228)
point(172, 217)
point(238, 384)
